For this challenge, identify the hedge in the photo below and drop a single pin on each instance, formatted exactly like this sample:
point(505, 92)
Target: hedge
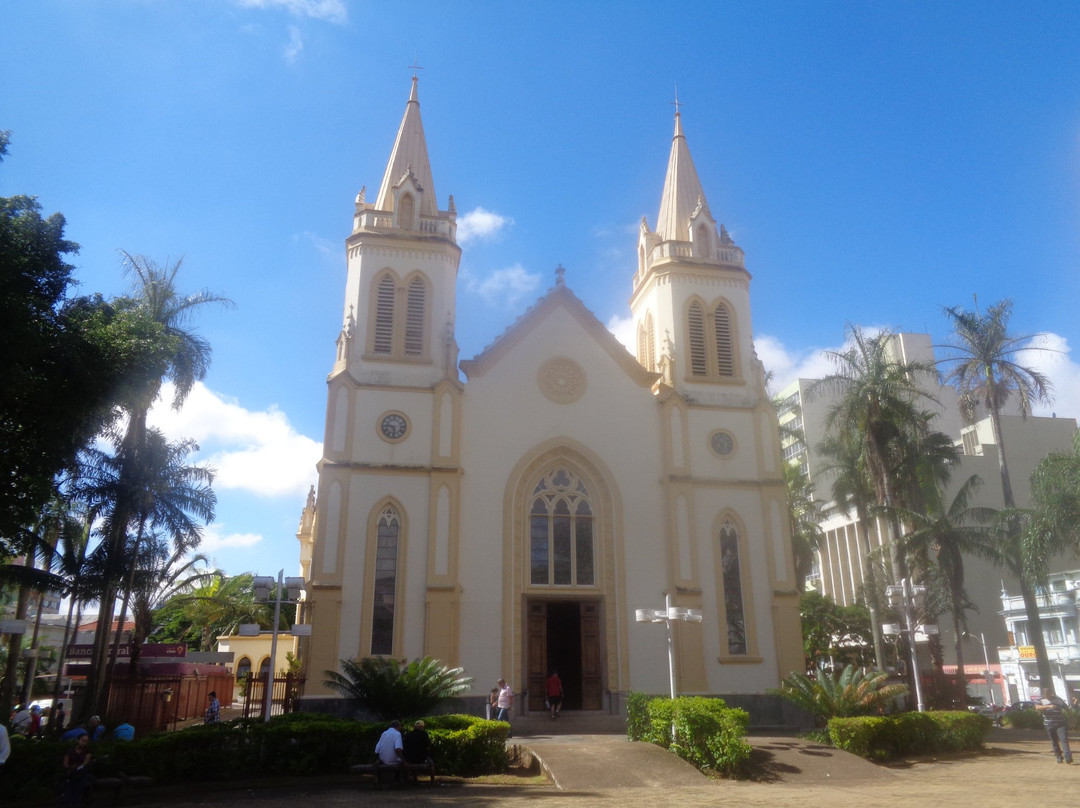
point(888, 737)
point(707, 732)
point(297, 744)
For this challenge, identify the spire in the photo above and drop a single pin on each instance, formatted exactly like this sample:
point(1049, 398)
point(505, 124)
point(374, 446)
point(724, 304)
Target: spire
point(409, 155)
point(682, 189)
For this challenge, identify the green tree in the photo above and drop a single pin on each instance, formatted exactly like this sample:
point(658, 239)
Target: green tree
point(831, 695)
point(805, 514)
point(213, 608)
point(852, 491)
point(876, 409)
point(984, 369)
point(388, 690)
point(159, 301)
point(64, 361)
point(833, 634)
point(948, 533)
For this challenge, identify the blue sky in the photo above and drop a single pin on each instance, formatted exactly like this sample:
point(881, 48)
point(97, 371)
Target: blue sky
point(876, 161)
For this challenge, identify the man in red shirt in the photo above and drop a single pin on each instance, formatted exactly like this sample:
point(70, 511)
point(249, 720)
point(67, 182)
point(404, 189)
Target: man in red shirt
point(554, 693)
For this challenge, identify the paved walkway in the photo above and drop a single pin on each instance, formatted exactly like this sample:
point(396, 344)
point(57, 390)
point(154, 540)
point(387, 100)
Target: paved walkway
point(1016, 768)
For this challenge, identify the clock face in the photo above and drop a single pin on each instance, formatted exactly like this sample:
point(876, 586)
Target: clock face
point(722, 443)
point(393, 426)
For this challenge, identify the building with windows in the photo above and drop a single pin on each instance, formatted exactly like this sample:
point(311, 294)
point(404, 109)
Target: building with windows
point(1061, 631)
point(513, 520)
point(839, 569)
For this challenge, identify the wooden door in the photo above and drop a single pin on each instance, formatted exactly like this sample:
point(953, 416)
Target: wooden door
point(591, 651)
point(536, 653)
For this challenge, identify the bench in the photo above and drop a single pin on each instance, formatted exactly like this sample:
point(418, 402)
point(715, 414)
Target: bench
point(377, 768)
point(118, 783)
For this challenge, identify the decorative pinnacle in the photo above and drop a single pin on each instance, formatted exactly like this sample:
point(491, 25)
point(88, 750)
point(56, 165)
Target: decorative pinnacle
point(560, 273)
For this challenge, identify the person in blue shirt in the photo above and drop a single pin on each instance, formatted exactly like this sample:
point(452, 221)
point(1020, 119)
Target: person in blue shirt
point(123, 732)
point(95, 729)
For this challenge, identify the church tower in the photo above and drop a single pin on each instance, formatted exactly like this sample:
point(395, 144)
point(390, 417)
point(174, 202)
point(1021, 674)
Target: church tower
point(392, 405)
point(691, 299)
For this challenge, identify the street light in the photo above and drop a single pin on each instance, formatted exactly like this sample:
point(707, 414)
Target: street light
point(905, 597)
point(288, 590)
point(667, 615)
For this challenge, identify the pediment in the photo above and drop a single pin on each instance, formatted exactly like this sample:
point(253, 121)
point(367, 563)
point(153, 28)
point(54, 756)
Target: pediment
point(533, 319)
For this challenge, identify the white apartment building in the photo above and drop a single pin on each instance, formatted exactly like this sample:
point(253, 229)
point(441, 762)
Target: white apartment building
point(839, 569)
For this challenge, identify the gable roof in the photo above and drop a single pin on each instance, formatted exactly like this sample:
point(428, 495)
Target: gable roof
point(559, 296)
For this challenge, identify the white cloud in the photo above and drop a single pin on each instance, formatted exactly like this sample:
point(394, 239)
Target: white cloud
point(479, 224)
point(333, 11)
point(504, 286)
point(1057, 364)
point(623, 330)
point(214, 539)
point(787, 365)
point(295, 46)
point(259, 452)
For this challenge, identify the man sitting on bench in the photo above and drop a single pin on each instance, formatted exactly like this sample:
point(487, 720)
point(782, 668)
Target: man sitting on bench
point(417, 747)
point(389, 748)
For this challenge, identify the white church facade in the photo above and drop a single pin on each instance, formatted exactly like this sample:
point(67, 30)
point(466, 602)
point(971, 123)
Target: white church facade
point(510, 512)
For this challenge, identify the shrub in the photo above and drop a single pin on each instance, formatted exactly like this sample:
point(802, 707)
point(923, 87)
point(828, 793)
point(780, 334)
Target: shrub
point(389, 690)
point(707, 733)
point(637, 715)
point(297, 744)
point(1023, 719)
point(850, 693)
point(887, 737)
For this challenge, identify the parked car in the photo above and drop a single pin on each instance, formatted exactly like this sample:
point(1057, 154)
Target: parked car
point(1020, 705)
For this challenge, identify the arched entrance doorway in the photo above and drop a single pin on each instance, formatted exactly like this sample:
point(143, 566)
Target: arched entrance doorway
point(564, 635)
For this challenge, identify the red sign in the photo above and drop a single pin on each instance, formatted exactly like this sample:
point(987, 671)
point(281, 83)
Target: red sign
point(124, 651)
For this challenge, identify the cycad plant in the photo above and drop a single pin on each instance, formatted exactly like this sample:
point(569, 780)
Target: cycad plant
point(848, 694)
point(388, 690)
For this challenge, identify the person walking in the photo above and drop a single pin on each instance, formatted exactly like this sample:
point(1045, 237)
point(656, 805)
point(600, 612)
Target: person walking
point(504, 701)
point(1057, 725)
point(554, 690)
point(213, 710)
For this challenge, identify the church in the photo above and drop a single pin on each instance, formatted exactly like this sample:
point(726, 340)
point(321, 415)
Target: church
point(510, 513)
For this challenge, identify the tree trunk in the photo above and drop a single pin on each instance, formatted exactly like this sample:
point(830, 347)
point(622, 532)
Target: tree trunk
point(1035, 637)
point(11, 672)
point(871, 588)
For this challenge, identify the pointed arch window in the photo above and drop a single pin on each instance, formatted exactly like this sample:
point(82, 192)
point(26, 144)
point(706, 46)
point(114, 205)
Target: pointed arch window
point(642, 350)
point(650, 342)
point(384, 315)
point(731, 571)
point(561, 524)
point(406, 211)
point(696, 327)
point(703, 241)
point(415, 316)
point(725, 351)
point(386, 576)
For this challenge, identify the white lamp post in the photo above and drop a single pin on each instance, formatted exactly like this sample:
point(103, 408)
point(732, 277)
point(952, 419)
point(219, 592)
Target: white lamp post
point(288, 590)
point(904, 596)
point(667, 615)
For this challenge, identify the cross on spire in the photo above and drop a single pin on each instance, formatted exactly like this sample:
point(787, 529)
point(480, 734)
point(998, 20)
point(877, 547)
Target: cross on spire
point(676, 103)
point(415, 66)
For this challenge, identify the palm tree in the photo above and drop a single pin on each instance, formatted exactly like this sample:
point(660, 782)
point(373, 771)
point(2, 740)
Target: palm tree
point(384, 687)
point(985, 371)
point(156, 296)
point(214, 607)
point(851, 490)
point(876, 410)
point(950, 533)
point(805, 514)
point(851, 693)
point(164, 572)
